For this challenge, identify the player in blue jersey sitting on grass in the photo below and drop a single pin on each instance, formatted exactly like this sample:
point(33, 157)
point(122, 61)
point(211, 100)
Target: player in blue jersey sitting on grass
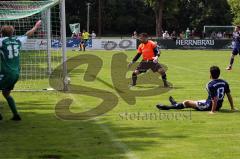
point(216, 88)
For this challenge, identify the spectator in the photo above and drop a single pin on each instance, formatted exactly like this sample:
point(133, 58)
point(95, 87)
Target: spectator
point(224, 35)
point(162, 32)
point(80, 35)
point(188, 32)
point(174, 35)
point(203, 34)
point(194, 33)
point(74, 36)
point(93, 35)
point(166, 35)
point(219, 35)
point(135, 35)
point(181, 35)
point(213, 35)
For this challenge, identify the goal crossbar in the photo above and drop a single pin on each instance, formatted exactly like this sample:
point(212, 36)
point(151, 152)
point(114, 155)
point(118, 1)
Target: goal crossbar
point(18, 10)
point(46, 49)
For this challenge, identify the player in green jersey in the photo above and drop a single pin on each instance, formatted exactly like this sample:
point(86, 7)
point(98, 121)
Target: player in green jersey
point(10, 46)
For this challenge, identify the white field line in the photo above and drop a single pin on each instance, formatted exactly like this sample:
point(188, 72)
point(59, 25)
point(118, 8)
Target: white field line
point(194, 71)
point(186, 69)
point(128, 152)
point(123, 147)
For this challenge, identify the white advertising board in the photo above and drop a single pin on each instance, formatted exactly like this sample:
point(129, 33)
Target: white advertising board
point(114, 44)
point(35, 44)
point(94, 44)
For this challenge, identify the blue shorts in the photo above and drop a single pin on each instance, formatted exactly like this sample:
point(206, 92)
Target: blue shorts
point(204, 105)
point(236, 51)
point(85, 42)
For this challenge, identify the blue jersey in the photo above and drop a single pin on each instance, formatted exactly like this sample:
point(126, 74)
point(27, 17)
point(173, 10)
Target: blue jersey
point(236, 40)
point(217, 88)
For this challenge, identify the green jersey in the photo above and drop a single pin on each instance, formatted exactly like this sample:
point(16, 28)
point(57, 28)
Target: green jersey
point(9, 54)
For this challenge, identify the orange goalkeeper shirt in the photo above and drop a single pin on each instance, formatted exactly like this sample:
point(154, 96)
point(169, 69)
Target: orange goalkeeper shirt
point(147, 50)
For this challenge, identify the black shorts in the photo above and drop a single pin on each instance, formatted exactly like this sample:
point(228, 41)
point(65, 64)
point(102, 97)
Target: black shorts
point(8, 81)
point(85, 41)
point(144, 66)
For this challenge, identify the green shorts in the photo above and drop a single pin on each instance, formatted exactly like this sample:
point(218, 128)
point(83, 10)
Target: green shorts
point(8, 81)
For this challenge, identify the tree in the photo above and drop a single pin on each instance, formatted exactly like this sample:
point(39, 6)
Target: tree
point(235, 7)
point(100, 17)
point(197, 13)
point(122, 17)
point(159, 6)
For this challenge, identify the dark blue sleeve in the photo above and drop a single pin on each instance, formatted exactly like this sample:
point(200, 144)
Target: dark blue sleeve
point(156, 51)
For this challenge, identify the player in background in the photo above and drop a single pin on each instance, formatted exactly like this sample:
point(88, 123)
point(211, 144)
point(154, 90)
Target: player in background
point(10, 46)
point(150, 53)
point(236, 46)
point(217, 88)
point(80, 41)
point(85, 38)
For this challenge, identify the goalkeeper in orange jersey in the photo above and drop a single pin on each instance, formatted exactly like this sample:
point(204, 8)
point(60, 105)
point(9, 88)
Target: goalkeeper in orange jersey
point(150, 53)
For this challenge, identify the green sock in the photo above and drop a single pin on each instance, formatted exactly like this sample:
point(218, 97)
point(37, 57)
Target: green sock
point(12, 105)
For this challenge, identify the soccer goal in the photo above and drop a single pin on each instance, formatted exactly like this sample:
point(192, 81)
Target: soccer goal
point(223, 29)
point(46, 50)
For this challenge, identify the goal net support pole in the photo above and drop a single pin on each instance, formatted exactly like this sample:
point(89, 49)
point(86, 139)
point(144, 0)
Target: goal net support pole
point(64, 44)
point(49, 41)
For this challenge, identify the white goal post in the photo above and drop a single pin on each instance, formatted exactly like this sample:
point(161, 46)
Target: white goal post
point(46, 50)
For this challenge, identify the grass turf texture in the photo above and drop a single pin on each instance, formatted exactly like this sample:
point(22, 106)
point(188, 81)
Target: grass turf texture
point(42, 135)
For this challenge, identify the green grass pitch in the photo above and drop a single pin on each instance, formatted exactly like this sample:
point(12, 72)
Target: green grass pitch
point(204, 136)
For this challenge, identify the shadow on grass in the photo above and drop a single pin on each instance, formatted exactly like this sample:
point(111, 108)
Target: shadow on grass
point(228, 111)
point(41, 135)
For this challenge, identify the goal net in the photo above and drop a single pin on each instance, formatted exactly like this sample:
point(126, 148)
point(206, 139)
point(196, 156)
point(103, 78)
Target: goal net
point(224, 30)
point(42, 53)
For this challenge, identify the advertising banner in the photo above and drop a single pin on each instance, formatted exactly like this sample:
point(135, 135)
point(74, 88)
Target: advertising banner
point(114, 44)
point(94, 44)
point(195, 44)
point(35, 44)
